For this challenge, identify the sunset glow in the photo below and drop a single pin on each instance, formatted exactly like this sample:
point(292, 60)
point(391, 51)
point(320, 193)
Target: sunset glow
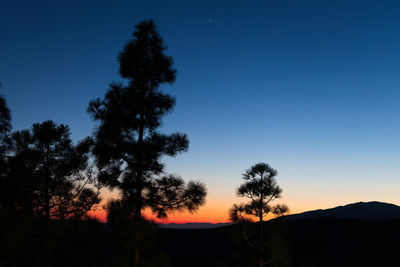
point(311, 90)
point(260, 132)
point(216, 209)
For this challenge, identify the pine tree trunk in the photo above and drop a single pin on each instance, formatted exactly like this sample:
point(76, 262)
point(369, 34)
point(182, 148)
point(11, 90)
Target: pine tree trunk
point(46, 199)
point(261, 262)
point(139, 185)
point(47, 187)
point(47, 209)
point(136, 254)
point(138, 215)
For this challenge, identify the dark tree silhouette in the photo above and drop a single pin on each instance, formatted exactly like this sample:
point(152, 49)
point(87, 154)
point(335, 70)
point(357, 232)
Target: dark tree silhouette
point(48, 176)
point(5, 128)
point(128, 147)
point(261, 188)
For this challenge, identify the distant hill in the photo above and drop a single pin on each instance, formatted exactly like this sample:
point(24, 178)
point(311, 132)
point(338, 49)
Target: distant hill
point(192, 225)
point(369, 211)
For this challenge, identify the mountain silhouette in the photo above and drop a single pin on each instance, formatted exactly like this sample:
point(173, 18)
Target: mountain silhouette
point(369, 211)
point(192, 225)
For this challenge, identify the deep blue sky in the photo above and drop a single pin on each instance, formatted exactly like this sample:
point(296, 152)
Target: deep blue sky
point(311, 87)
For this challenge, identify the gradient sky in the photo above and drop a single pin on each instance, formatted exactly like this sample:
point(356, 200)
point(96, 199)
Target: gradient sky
point(310, 87)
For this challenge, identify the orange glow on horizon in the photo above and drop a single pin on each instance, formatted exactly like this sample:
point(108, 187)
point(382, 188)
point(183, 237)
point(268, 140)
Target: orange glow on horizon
point(216, 209)
point(206, 214)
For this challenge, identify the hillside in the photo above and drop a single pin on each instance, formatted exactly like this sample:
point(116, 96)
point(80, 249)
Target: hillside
point(192, 225)
point(370, 211)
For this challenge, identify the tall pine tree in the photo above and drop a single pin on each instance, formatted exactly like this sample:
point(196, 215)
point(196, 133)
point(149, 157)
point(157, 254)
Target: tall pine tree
point(128, 146)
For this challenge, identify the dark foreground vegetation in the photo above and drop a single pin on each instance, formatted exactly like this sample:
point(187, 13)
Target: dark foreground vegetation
point(308, 242)
point(305, 242)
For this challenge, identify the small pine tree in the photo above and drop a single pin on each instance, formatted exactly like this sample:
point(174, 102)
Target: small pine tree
point(261, 188)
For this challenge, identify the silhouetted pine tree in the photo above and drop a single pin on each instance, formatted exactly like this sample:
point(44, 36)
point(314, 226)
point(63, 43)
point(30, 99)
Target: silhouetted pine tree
point(128, 147)
point(5, 128)
point(42, 176)
point(261, 188)
point(49, 176)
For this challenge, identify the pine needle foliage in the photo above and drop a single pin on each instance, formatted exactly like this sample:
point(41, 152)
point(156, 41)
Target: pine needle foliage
point(261, 188)
point(128, 146)
point(48, 176)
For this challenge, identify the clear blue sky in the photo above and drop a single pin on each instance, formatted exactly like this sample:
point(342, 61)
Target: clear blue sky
point(310, 87)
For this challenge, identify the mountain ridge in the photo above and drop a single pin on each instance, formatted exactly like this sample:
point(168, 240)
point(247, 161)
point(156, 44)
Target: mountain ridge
point(369, 211)
point(193, 225)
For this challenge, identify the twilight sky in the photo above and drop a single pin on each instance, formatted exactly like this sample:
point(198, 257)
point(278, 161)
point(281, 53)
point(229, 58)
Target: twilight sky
point(309, 87)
